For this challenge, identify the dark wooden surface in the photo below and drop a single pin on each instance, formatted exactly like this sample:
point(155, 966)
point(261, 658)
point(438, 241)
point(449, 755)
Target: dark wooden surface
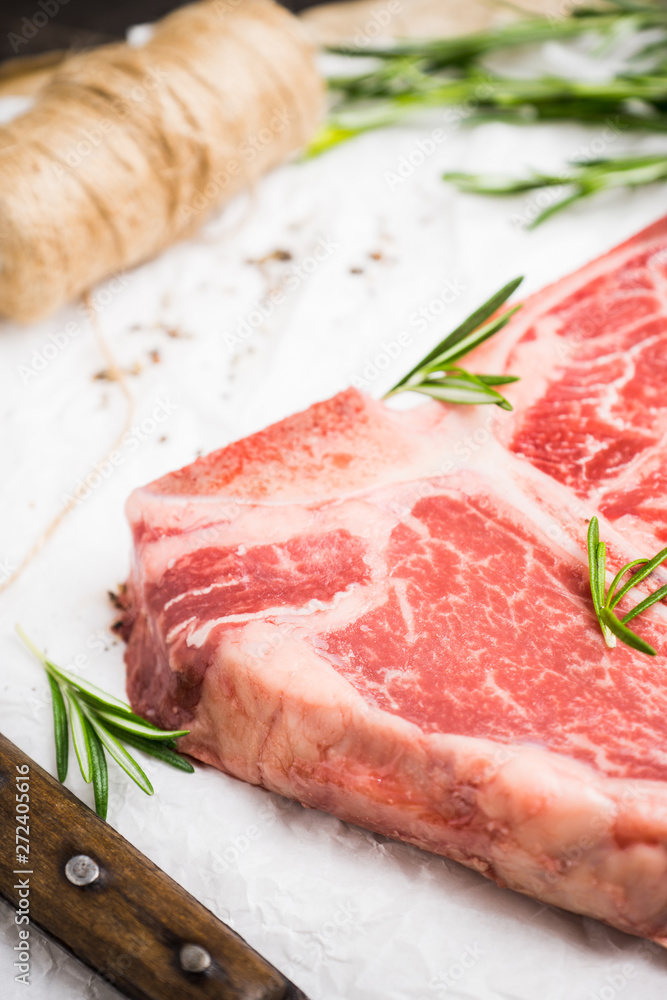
point(64, 24)
point(130, 924)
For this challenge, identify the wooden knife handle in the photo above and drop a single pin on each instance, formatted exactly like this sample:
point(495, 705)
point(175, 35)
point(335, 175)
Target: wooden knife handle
point(131, 923)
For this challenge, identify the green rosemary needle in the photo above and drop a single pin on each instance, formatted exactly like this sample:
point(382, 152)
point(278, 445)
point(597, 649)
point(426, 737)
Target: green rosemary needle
point(437, 375)
point(101, 724)
point(585, 178)
point(605, 600)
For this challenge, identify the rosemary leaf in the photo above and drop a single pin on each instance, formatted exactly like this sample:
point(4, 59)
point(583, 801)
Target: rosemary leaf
point(79, 736)
point(468, 327)
point(59, 727)
point(100, 771)
point(123, 711)
point(624, 633)
point(498, 379)
point(653, 598)
point(474, 321)
point(147, 730)
point(558, 206)
point(120, 754)
point(646, 570)
point(156, 749)
point(499, 184)
point(601, 556)
point(455, 389)
point(331, 135)
point(611, 600)
point(593, 542)
point(472, 340)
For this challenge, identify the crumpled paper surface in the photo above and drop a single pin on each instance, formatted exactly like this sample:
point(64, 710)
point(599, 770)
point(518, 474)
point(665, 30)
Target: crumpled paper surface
point(358, 242)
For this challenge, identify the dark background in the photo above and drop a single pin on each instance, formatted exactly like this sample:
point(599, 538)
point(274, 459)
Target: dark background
point(80, 23)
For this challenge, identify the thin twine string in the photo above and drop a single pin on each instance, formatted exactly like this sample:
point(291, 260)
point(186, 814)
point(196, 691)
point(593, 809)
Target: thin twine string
point(116, 375)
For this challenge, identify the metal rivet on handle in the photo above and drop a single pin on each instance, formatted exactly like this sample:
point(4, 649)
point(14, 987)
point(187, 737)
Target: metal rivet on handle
point(194, 958)
point(82, 870)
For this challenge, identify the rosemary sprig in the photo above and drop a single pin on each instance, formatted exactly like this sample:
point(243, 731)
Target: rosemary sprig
point(438, 376)
point(609, 20)
point(586, 178)
point(98, 723)
point(631, 102)
point(605, 600)
point(414, 75)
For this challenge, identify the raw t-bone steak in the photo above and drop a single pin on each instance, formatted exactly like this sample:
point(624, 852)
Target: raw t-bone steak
point(386, 615)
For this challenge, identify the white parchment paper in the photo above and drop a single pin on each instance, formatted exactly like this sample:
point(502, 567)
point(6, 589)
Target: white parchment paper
point(357, 242)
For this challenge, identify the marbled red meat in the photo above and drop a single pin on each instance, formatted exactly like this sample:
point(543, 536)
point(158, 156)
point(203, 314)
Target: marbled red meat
point(592, 406)
point(387, 614)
